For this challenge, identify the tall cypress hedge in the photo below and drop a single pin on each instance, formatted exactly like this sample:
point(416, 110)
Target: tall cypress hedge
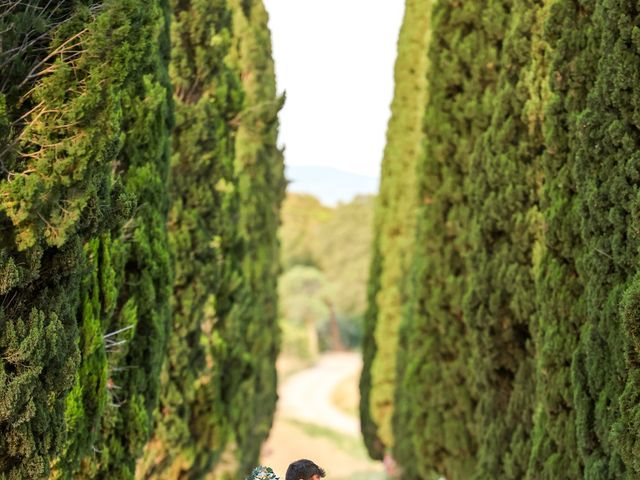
point(95, 221)
point(88, 108)
point(499, 304)
point(440, 432)
point(566, 65)
point(192, 426)
point(372, 441)
point(518, 352)
point(253, 334)
point(394, 229)
point(141, 252)
point(605, 170)
point(39, 274)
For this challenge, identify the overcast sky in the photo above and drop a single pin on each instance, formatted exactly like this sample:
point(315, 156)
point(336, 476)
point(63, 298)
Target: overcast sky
point(335, 60)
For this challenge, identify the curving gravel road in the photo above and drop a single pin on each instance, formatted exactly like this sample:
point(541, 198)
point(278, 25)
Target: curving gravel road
point(306, 395)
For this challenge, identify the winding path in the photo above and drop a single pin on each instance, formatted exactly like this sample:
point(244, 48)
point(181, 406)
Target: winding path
point(306, 396)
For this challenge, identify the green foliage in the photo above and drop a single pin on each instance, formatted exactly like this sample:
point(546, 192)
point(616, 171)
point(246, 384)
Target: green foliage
point(192, 425)
point(436, 379)
point(249, 382)
point(86, 262)
point(302, 218)
point(126, 302)
point(87, 400)
point(63, 186)
point(395, 226)
point(342, 249)
point(303, 305)
point(375, 447)
point(555, 327)
point(334, 244)
point(519, 346)
point(504, 218)
point(335, 241)
point(65, 132)
point(35, 351)
point(604, 165)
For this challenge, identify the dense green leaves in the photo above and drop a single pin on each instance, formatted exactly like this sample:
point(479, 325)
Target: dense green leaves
point(498, 303)
point(518, 348)
point(250, 377)
point(605, 170)
point(394, 228)
point(191, 429)
point(218, 391)
point(96, 221)
point(88, 111)
point(331, 246)
point(435, 379)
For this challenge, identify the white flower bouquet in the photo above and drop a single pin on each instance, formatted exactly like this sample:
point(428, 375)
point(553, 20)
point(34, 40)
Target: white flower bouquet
point(263, 473)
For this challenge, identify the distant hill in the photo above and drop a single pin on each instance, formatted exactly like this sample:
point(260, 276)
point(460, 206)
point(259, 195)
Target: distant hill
point(330, 185)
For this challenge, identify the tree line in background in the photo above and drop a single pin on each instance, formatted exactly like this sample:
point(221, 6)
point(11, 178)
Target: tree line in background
point(140, 184)
point(325, 258)
point(511, 177)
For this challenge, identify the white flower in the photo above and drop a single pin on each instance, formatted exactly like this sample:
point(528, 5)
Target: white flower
point(263, 473)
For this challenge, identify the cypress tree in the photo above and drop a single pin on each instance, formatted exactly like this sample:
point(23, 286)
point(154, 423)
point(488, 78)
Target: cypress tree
point(192, 422)
point(394, 229)
point(499, 306)
point(528, 204)
point(584, 376)
point(124, 318)
point(372, 442)
point(66, 144)
point(39, 281)
point(605, 137)
point(253, 334)
point(435, 389)
point(564, 71)
point(84, 118)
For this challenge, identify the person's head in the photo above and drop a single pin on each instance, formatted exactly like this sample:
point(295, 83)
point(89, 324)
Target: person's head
point(304, 470)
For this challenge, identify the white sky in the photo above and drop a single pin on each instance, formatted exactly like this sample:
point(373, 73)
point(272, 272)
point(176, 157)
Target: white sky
point(335, 60)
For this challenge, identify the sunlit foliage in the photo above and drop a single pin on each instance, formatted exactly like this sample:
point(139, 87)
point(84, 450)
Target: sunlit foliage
point(394, 227)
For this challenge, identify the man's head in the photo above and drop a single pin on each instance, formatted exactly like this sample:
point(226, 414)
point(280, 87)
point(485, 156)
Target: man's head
point(304, 470)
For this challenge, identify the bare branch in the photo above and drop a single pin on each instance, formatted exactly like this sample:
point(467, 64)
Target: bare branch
point(116, 332)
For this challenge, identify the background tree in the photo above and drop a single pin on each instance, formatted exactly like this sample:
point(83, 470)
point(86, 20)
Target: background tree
point(302, 217)
point(253, 333)
point(302, 293)
point(394, 227)
point(334, 242)
point(342, 249)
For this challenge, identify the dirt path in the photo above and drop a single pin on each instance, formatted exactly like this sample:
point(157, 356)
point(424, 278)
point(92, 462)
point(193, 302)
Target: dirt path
point(306, 396)
point(308, 425)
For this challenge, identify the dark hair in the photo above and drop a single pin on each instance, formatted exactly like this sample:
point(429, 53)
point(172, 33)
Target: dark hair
point(303, 470)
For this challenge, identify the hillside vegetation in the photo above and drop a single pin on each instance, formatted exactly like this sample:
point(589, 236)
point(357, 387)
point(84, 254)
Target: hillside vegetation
point(325, 256)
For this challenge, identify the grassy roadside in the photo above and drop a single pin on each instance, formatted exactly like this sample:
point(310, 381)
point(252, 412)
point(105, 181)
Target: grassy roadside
point(345, 396)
